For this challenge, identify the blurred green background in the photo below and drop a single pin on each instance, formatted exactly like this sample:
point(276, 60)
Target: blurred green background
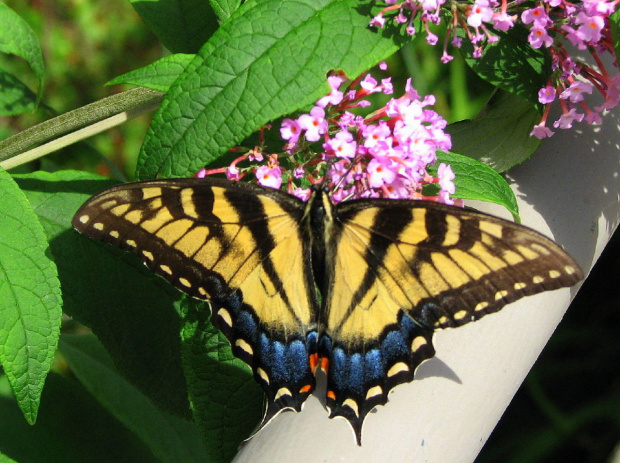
point(568, 409)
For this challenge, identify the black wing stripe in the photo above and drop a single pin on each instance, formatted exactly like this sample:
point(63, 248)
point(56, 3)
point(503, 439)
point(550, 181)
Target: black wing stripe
point(248, 209)
point(436, 228)
point(386, 228)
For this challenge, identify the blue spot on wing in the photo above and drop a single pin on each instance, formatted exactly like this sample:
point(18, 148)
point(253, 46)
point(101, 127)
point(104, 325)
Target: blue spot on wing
point(280, 364)
point(297, 361)
point(356, 368)
point(374, 365)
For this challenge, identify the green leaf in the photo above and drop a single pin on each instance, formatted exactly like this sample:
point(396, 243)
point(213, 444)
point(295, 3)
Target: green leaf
point(614, 22)
point(15, 96)
point(183, 26)
point(500, 135)
point(159, 75)
point(72, 427)
point(511, 64)
point(226, 401)
point(224, 8)
point(18, 38)
point(269, 59)
point(475, 180)
point(130, 310)
point(30, 299)
point(5, 459)
point(171, 439)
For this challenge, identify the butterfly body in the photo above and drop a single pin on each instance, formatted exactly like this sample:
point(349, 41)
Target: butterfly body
point(356, 288)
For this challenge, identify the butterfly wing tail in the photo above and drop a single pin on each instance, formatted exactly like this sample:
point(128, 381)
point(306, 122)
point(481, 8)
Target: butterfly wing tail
point(359, 380)
point(281, 366)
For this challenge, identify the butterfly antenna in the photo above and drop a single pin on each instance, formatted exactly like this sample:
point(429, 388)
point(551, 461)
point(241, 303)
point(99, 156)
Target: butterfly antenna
point(354, 164)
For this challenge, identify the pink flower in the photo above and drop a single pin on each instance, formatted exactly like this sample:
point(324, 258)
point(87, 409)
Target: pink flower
point(539, 37)
point(369, 83)
point(343, 193)
point(444, 197)
point(566, 120)
point(478, 38)
point(380, 171)
point(503, 21)
point(410, 90)
point(290, 130)
point(574, 93)
point(541, 131)
point(382, 148)
point(387, 86)
point(232, 172)
point(480, 12)
point(431, 38)
point(593, 118)
point(302, 193)
point(375, 133)
point(408, 110)
point(574, 37)
point(538, 16)
point(599, 7)
point(270, 177)
point(335, 96)
point(397, 189)
point(299, 172)
point(342, 145)
point(255, 155)
point(314, 123)
point(392, 148)
point(400, 18)
point(591, 27)
point(546, 94)
point(445, 57)
point(378, 21)
point(446, 177)
point(431, 5)
point(612, 94)
point(346, 120)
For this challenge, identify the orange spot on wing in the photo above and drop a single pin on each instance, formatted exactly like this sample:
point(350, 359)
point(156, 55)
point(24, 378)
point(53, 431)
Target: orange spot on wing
point(324, 364)
point(314, 361)
point(305, 388)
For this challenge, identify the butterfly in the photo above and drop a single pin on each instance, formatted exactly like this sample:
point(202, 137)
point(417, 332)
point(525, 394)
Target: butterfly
point(356, 288)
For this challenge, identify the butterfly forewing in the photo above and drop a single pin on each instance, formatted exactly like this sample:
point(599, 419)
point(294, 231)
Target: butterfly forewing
point(418, 266)
point(472, 264)
point(239, 247)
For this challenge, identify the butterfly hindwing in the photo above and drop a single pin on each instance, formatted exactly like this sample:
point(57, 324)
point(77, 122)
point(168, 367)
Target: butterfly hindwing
point(239, 246)
point(418, 266)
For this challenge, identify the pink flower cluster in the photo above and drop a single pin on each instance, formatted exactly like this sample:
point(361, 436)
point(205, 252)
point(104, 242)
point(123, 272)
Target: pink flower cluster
point(552, 24)
point(385, 154)
point(586, 27)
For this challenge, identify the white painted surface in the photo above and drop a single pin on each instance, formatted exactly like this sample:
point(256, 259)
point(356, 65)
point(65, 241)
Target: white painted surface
point(569, 191)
